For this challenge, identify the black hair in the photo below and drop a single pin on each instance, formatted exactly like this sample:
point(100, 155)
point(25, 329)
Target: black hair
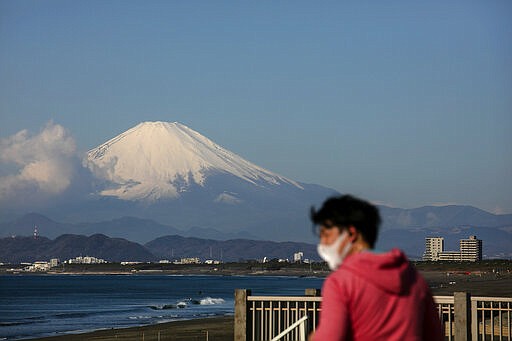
point(347, 210)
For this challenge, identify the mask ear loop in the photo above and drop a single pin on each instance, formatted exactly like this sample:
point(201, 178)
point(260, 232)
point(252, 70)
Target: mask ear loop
point(348, 246)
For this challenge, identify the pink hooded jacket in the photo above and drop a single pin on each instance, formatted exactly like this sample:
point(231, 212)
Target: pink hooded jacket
point(375, 296)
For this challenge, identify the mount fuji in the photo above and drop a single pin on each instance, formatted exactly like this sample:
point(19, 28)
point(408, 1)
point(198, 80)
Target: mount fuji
point(170, 173)
point(158, 160)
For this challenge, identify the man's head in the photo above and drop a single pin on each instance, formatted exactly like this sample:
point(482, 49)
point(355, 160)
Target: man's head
point(347, 213)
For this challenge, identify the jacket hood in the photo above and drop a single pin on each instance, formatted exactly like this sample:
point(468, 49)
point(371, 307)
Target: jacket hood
point(390, 271)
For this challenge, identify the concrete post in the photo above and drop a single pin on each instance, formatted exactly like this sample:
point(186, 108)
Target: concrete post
point(312, 292)
point(462, 312)
point(241, 314)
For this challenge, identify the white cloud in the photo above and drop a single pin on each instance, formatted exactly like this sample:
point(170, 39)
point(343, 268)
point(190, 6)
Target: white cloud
point(44, 162)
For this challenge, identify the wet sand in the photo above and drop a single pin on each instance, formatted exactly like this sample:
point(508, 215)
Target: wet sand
point(218, 329)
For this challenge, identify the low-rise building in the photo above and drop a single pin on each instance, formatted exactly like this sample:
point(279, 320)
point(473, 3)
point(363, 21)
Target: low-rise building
point(190, 260)
point(86, 260)
point(38, 267)
point(297, 257)
point(449, 256)
point(212, 261)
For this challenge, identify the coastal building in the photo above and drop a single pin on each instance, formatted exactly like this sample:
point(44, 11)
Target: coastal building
point(433, 246)
point(191, 260)
point(297, 257)
point(54, 262)
point(86, 260)
point(471, 249)
point(211, 261)
point(38, 266)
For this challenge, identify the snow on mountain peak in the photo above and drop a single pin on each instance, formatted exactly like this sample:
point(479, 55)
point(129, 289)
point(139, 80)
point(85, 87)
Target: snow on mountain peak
point(161, 159)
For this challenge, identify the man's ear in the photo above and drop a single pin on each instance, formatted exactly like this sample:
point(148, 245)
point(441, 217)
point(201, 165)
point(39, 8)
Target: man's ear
point(352, 233)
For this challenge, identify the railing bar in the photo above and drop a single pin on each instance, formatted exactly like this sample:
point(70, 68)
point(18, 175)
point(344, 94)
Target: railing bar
point(253, 320)
point(491, 299)
point(296, 318)
point(449, 322)
point(290, 298)
point(501, 325)
point(509, 324)
point(483, 322)
point(262, 319)
point(305, 314)
point(270, 326)
point(492, 321)
point(509, 331)
point(279, 316)
point(288, 318)
point(314, 316)
point(452, 331)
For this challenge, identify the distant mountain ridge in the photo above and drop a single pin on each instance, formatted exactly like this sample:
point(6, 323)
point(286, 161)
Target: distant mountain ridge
point(229, 250)
point(29, 249)
point(67, 246)
point(497, 240)
point(442, 216)
point(131, 228)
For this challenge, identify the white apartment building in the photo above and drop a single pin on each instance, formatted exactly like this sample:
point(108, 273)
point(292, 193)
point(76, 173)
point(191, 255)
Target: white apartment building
point(191, 260)
point(433, 246)
point(86, 260)
point(471, 249)
point(297, 257)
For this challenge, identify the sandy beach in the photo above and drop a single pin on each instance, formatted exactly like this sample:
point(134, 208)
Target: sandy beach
point(217, 329)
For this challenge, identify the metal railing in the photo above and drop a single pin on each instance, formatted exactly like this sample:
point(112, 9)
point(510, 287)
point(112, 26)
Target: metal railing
point(269, 315)
point(490, 317)
point(446, 311)
point(463, 317)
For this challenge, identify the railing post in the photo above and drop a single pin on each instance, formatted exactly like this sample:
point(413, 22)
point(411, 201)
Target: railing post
point(474, 320)
point(241, 314)
point(462, 312)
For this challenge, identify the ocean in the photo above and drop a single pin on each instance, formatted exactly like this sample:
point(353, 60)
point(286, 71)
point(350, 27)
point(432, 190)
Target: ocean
point(45, 305)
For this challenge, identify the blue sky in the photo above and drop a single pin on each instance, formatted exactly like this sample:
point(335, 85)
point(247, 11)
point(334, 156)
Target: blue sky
point(406, 103)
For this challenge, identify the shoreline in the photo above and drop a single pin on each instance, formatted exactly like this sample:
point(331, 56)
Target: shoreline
point(218, 328)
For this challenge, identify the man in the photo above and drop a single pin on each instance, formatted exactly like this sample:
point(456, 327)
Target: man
point(369, 295)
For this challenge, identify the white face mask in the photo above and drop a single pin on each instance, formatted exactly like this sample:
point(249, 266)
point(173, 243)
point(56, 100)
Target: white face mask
point(329, 253)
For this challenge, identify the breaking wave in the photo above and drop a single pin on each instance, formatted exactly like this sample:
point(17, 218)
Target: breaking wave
point(210, 301)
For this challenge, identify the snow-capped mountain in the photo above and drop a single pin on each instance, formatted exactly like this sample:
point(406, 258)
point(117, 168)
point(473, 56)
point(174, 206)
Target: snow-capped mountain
point(174, 175)
point(156, 160)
